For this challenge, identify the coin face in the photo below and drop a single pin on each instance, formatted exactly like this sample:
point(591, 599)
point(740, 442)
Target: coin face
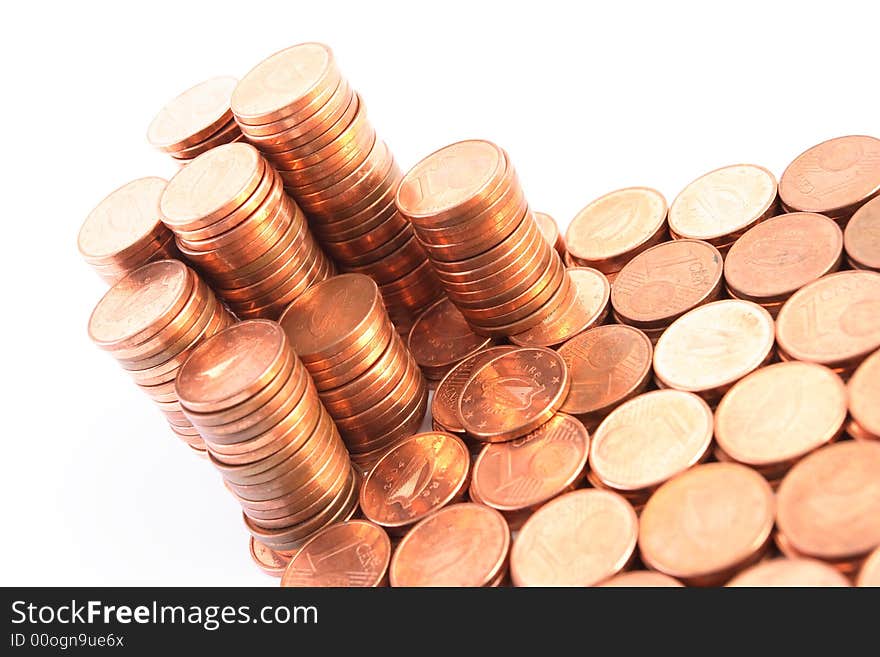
point(449, 177)
point(577, 539)
point(781, 412)
point(832, 320)
point(642, 578)
point(193, 115)
point(513, 394)
point(713, 346)
point(460, 545)
point(789, 572)
point(869, 575)
point(353, 553)
point(615, 225)
point(829, 502)
point(651, 438)
point(864, 395)
point(415, 478)
point(833, 175)
point(781, 255)
point(607, 365)
point(525, 472)
point(666, 281)
point(441, 336)
point(862, 236)
point(723, 202)
point(706, 521)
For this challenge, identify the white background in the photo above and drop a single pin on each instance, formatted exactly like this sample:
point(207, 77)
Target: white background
point(586, 98)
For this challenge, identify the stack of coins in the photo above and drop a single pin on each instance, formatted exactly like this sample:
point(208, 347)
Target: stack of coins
point(366, 378)
point(721, 205)
point(268, 434)
point(862, 237)
point(233, 220)
point(864, 400)
point(196, 121)
point(441, 338)
point(664, 282)
point(125, 231)
point(550, 230)
point(616, 227)
point(471, 215)
point(776, 258)
point(305, 118)
point(833, 178)
point(150, 322)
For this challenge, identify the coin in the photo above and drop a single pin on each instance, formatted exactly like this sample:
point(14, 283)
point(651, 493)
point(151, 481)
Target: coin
point(550, 231)
point(776, 258)
point(526, 472)
point(607, 365)
point(861, 239)
point(834, 321)
point(789, 572)
point(352, 553)
point(833, 178)
point(642, 578)
point(718, 206)
point(648, 440)
point(869, 575)
point(415, 478)
point(270, 562)
point(707, 523)
point(460, 545)
point(611, 230)
point(828, 504)
point(580, 538)
point(513, 394)
point(864, 399)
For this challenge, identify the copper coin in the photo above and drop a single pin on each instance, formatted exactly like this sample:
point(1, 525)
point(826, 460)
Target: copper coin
point(650, 439)
point(610, 231)
point(829, 502)
point(513, 394)
point(268, 560)
point(779, 256)
point(588, 307)
point(353, 553)
point(862, 237)
point(550, 231)
point(864, 399)
point(713, 346)
point(720, 205)
point(460, 545)
point(231, 366)
point(192, 116)
point(665, 281)
point(441, 337)
point(834, 177)
point(580, 538)
point(444, 404)
point(704, 524)
point(642, 578)
point(523, 473)
point(869, 575)
point(834, 321)
point(789, 572)
point(607, 365)
point(780, 413)
point(414, 479)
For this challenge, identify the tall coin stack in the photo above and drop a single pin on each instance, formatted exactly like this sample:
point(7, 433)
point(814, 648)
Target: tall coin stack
point(233, 220)
point(150, 322)
point(471, 215)
point(305, 118)
point(268, 434)
point(365, 376)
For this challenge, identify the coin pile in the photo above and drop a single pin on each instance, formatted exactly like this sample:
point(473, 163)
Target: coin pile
point(150, 322)
point(471, 215)
point(196, 121)
point(233, 221)
point(268, 434)
point(306, 119)
point(125, 231)
point(364, 375)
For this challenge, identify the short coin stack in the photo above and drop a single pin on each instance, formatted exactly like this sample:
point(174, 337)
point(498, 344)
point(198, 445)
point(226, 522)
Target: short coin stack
point(125, 231)
point(196, 121)
point(365, 376)
point(470, 213)
point(268, 434)
point(306, 119)
point(150, 322)
point(233, 220)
